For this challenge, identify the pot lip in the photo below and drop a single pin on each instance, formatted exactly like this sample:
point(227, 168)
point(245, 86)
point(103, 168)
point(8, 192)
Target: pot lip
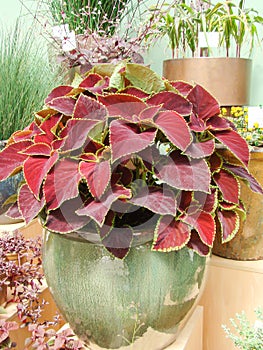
point(222, 59)
point(140, 237)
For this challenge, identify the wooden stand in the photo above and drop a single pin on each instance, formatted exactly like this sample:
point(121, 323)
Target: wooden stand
point(231, 287)
point(191, 336)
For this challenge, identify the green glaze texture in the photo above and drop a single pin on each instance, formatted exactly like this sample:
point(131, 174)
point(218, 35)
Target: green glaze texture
point(135, 303)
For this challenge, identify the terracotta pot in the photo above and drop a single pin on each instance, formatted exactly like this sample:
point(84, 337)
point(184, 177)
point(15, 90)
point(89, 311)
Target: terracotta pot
point(137, 303)
point(248, 242)
point(227, 79)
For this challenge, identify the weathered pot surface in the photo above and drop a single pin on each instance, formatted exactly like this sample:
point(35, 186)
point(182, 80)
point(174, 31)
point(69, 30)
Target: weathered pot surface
point(248, 242)
point(136, 303)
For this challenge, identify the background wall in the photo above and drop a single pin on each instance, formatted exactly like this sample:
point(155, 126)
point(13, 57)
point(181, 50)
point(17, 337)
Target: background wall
point(11, 9)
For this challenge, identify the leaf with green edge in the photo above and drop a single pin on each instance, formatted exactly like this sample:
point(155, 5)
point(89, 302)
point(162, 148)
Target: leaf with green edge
point(49, 127)
point(205, 105)
point(125, 174)
point(88, 108)
point(127, 107)
point(171, 101)
point(184, 200)
point(229, 224)
point(197, 245)
point(218, 123)
point(148, 114)
point(37, 149)
point(170, 234)
point(65, 219)
point(228, 186)
point(13, 212)
point(183, 173)
point(215, 162)
point(181, 86)
point(246, 176)
point(118, 241)
point(235, 143)
point(28, 205)
point(11, 158)
point(169, 122)
point(144, 78)
point(208, 202)
point(97, 175)
point(203, 223)
point(61, 183)
point(131, 90)
point(200, 149)
point(91, 80)
point(98, 209)
point(36, 169)
point(127, 139)
point(159, 201)
point(59, 91)
point(76, 132)
point(196, 124)
point(64, 105)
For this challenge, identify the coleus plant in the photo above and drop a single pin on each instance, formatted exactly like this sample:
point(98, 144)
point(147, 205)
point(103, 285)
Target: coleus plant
point(124, 150)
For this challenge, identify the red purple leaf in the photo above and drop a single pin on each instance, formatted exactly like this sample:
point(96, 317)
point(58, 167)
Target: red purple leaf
point(159, 201)
point(13, 212)
point(196, 124)
point(204, 224)
point(183, 173)
point(118, 241)
point(58, 92)
point(204, 104)
point(98, 209)
point(169, 122)
point(245, 175)
point(28, 205)
point(197, 245)
point(183, 87)
point(228, 186)
point(89, 108)
point(97, 175)
point(11, 159)
point(208, 202)
point(122, 105)
point(170, 234)
point(36, 169)
point(61, 183)
point(215, 162)
point(63, 105)
point(135, 92)
point(91, 80)
point(229, 224)
point(235, 143)
point(171, 101)
point(64, 219)
point(127, 139)
point(149, 113)
point(218, 123)
point(200, 149)
point(37, 149)
point(76, 133)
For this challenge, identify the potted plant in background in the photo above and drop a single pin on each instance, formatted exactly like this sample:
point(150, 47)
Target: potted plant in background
point(248, 242)
point(26, 77)
point(83, 33)
point(226, 76)
point(123, 170)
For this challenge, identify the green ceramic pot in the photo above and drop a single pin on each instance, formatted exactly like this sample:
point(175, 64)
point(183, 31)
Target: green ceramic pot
point(137, 303)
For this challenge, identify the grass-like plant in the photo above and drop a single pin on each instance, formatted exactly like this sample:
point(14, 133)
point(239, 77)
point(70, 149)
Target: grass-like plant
point(26, 77)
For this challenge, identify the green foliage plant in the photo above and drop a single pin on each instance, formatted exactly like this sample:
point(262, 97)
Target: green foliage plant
point(25, 77)
point(246, 336)
point(182, 21)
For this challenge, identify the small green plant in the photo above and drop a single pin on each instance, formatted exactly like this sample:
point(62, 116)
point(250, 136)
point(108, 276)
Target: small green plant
point(247, 336)
point(25, 78)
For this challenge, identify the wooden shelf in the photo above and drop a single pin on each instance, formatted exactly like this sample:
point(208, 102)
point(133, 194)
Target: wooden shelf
point(231, 287)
